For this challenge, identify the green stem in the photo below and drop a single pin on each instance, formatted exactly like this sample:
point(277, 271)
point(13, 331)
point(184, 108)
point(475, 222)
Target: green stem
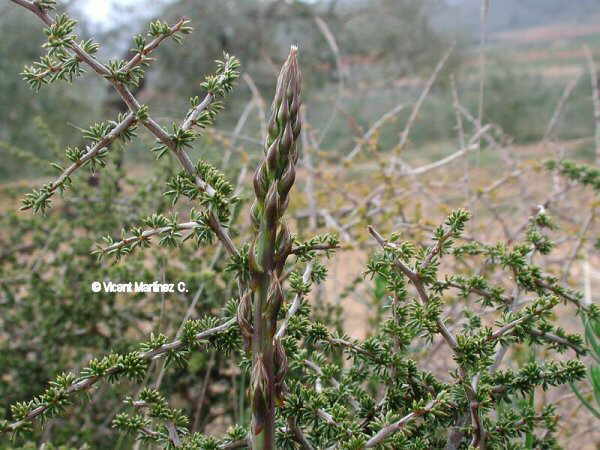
point(584, 401)
point(529, 436)
point(263, 409)
point(271, 246)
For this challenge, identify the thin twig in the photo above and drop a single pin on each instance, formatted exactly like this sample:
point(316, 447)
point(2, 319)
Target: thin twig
point(595, 97)
point(295, 304)
point(580, 241)
point(134, 106)
point(388, 430)
point(485, 7)
point(448, 159)
point(569, 88)
point(335, 49)
point(417, 106)
point(146, 235)
point(298, 434)
point(479, 431)
point(92, 152)
point(85, 383)
point(372, 130)
point(140, 57)
point(260, 102)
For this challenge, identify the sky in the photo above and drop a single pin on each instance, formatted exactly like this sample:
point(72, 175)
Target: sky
point(100, 11)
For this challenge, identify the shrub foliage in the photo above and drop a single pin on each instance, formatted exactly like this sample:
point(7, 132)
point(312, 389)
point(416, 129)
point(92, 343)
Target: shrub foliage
point(309, 384)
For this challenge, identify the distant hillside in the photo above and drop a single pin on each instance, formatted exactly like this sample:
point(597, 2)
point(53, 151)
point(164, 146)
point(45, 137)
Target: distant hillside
point(507, 15)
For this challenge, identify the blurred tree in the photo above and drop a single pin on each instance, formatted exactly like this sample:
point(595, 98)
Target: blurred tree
point(260, 32)
point(398, 31)
point(61, 108)
point(510, 14)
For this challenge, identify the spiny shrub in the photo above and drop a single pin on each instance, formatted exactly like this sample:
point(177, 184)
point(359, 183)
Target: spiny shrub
point(309, 387)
